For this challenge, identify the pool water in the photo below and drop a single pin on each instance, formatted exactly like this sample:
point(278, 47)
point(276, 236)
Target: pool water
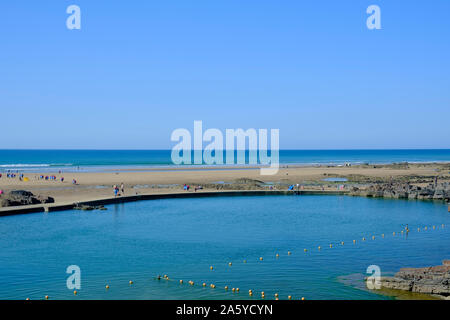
point(184, 237)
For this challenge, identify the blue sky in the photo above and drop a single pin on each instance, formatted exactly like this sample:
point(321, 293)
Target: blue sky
point(137, 70)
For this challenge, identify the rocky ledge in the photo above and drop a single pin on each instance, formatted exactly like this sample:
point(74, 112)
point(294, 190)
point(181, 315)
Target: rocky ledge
point(429, 280)
point(22, 198)
point(439, 191)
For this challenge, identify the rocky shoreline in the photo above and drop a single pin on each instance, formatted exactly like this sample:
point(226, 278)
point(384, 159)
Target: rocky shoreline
point(23, 198)
point(438, 191)
point(434, 281)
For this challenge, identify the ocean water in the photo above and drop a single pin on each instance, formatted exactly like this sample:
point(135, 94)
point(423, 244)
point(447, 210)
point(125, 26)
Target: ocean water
point(184, 237)
point(95, 160)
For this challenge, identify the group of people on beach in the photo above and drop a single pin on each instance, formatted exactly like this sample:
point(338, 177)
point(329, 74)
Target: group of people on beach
point(186, 187)
point(116, 190)
point(50, 178)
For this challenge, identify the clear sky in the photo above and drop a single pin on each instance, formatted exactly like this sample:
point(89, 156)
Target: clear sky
point(137, 70)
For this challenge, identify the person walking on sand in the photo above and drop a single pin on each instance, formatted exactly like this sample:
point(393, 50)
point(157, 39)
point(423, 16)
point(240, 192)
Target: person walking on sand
point(122, 188)
point(116, 190)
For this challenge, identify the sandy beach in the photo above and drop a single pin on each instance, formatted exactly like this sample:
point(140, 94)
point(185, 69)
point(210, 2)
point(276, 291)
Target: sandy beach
point(97, 185)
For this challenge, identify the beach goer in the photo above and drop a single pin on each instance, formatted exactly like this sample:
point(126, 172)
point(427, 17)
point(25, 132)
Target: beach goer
point(122, 188)
point(116, 190)
point(406, 228)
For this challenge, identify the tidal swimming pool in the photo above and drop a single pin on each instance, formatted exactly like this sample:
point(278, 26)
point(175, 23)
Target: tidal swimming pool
point(184, 237)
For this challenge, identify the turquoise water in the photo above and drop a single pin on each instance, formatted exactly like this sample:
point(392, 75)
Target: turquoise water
point(108, 159)
point(184, 237)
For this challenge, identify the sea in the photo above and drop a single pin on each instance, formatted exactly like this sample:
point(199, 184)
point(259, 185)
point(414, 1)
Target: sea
point(104, 160)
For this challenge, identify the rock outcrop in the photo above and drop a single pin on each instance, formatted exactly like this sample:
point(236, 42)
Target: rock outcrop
point(86, 207)
point(23, 198)
point(405, 191)
point(429, 280)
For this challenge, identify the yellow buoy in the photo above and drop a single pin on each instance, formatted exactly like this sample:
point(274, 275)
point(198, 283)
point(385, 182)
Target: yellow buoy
point(75, 292)
point(46, 297)
point(277, 255)
point(107, 287)
point(342, 242)
point(418, 229)
point(233, 289)
point(382, 235)
point(131, 282)
point(289, 253)
point(213, 286)
point(319, 247)
point(354, 241)
point(303, 298)
point(211, 268)
point(260, 258)
point(230, 264)
point(276, 295)
point(277, 299)
point(393, 233)
point(364, 239)
point(237, 289)
point(204, 284)
point(290, 297)
point(181, 281)
point(27, 299)
point(434, 227)
point(226, 287)
point(305, 250)
point(245, 261)
point(426, 228)
point(373, 237)
point(331, 246)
